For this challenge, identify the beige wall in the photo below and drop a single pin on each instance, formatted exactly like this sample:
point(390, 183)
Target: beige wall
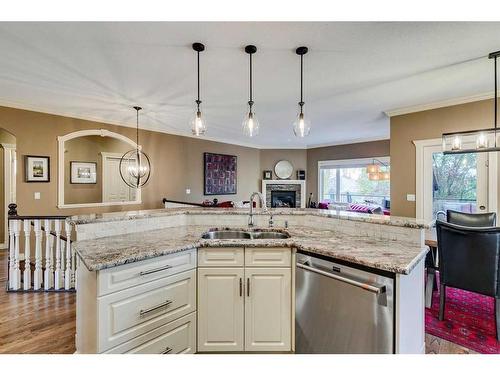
point(340, 152)
point(177, 162)
point(269, 158)
point(88, 149)
point(427, 125)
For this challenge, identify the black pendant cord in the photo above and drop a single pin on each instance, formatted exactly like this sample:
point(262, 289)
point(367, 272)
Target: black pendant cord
point(250, 102)
point(198, 101)
point(137, 108)
point(301, 103)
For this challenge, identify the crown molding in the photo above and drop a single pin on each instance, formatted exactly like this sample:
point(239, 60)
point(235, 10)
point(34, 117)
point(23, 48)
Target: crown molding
point(440, 104)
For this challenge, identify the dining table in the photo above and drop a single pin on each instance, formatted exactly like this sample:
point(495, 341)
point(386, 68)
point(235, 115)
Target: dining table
point(431, 264)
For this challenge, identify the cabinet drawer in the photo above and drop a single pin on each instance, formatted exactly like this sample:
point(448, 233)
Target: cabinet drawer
point(135, 311)
point(220, 257)
point(267, 257)
point(177, 337)
point(129, 275)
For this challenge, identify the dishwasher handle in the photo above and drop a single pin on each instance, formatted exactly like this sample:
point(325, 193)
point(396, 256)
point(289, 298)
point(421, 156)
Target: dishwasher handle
point(369, 287)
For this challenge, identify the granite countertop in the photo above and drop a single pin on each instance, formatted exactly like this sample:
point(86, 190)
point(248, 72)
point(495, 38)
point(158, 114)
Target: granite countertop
point(337, 214)
point(392, 256)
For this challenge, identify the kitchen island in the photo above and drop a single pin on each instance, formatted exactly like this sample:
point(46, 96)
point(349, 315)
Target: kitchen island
point(114, 249)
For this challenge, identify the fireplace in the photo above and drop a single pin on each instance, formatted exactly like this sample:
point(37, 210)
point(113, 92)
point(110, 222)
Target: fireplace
point(284, 193)
point(280, 198)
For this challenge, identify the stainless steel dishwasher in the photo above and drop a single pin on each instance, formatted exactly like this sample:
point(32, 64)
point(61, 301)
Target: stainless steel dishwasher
point(341, 309)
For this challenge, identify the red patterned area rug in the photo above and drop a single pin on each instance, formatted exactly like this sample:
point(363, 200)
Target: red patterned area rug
point(469, 320)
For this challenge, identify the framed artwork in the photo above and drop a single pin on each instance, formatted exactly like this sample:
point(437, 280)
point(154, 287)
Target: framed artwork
point(37, 168)
point(220, 172)
point(83, 172)
point(267, 175)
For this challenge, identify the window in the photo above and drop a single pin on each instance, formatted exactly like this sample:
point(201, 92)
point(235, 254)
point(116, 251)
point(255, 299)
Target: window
point(346, 181)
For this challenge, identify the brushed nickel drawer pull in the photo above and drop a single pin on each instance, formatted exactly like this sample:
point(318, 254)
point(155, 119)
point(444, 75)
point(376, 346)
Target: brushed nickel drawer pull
point(167, 350)
point(143, 273)
point(248, 287)
point(154, 308)
point(241, 287)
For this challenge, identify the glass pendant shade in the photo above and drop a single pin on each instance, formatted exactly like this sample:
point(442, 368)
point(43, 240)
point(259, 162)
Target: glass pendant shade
point(301, 126)
point(250, 125)
point(374, 176)
point(198, 125)
point(135, 168)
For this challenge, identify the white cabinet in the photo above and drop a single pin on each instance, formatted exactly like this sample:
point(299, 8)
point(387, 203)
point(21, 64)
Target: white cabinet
point(246, 308)
point(220, 309)
point(268, 309)
point(142, 307)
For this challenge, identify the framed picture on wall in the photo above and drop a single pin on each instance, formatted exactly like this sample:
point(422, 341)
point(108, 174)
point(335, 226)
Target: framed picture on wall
point(220, 174)
point(37, 168)
point(83, 172)
point(267, 175)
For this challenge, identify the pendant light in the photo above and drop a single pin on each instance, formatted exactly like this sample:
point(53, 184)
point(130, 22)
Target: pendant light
point(474, 141)
point(301, 125)
point(378, 171)
point(135, 167)
point(198, 126)
point(250, 122)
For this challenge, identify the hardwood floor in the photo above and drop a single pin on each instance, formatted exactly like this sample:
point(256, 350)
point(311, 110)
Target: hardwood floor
point(35, 322)
point(45, 322)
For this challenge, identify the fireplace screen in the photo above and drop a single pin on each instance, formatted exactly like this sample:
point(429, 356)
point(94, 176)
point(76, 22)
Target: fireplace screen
point(283, 199)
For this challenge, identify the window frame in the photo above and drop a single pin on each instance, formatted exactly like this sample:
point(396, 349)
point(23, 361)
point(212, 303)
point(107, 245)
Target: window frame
point(346, 163)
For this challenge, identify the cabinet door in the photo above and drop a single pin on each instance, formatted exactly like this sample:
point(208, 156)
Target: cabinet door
point(268, 319)
point(220, 309)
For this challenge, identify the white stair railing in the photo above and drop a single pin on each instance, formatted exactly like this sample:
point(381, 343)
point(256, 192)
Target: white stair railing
point(31, 268)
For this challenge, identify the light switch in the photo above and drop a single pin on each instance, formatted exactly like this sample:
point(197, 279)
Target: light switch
point(410, 197)
point(37, 195)
point(188, 191)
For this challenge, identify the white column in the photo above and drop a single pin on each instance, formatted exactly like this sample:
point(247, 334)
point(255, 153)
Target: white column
point(48, 278)
point(12, 246)
point(38, 275)
point(57, 272)
point(68, 274)
point(16, 274)
point(27, 255)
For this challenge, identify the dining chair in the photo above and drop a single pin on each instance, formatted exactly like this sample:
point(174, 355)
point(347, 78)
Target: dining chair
point(459, 218)
point(469, 259)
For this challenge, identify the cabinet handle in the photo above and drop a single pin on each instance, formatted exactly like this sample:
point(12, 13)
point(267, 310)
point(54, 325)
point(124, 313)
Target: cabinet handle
point(167, 350)
point(143, 273)
point(154, 308)
point(241, 287)
point(248, 287)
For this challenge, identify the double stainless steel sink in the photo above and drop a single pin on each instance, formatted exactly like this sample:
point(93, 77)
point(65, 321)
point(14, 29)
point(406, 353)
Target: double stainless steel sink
point(244, 235)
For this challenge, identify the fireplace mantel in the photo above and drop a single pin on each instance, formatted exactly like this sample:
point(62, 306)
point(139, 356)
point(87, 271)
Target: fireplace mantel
point(269, 183)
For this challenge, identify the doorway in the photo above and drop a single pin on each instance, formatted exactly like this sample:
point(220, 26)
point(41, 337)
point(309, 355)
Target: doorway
point(8, 164)
point(460, 182)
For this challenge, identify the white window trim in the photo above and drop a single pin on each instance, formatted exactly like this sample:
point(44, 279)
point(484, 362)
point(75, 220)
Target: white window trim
point(344, 163)
point(421, 178)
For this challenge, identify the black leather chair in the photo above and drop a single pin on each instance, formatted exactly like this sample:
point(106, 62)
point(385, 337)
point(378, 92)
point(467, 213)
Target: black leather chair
point(469, 259)
point(459, 218)
point(471, 220)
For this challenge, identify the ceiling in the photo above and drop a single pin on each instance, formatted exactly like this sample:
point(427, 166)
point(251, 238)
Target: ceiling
point(354, 71)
